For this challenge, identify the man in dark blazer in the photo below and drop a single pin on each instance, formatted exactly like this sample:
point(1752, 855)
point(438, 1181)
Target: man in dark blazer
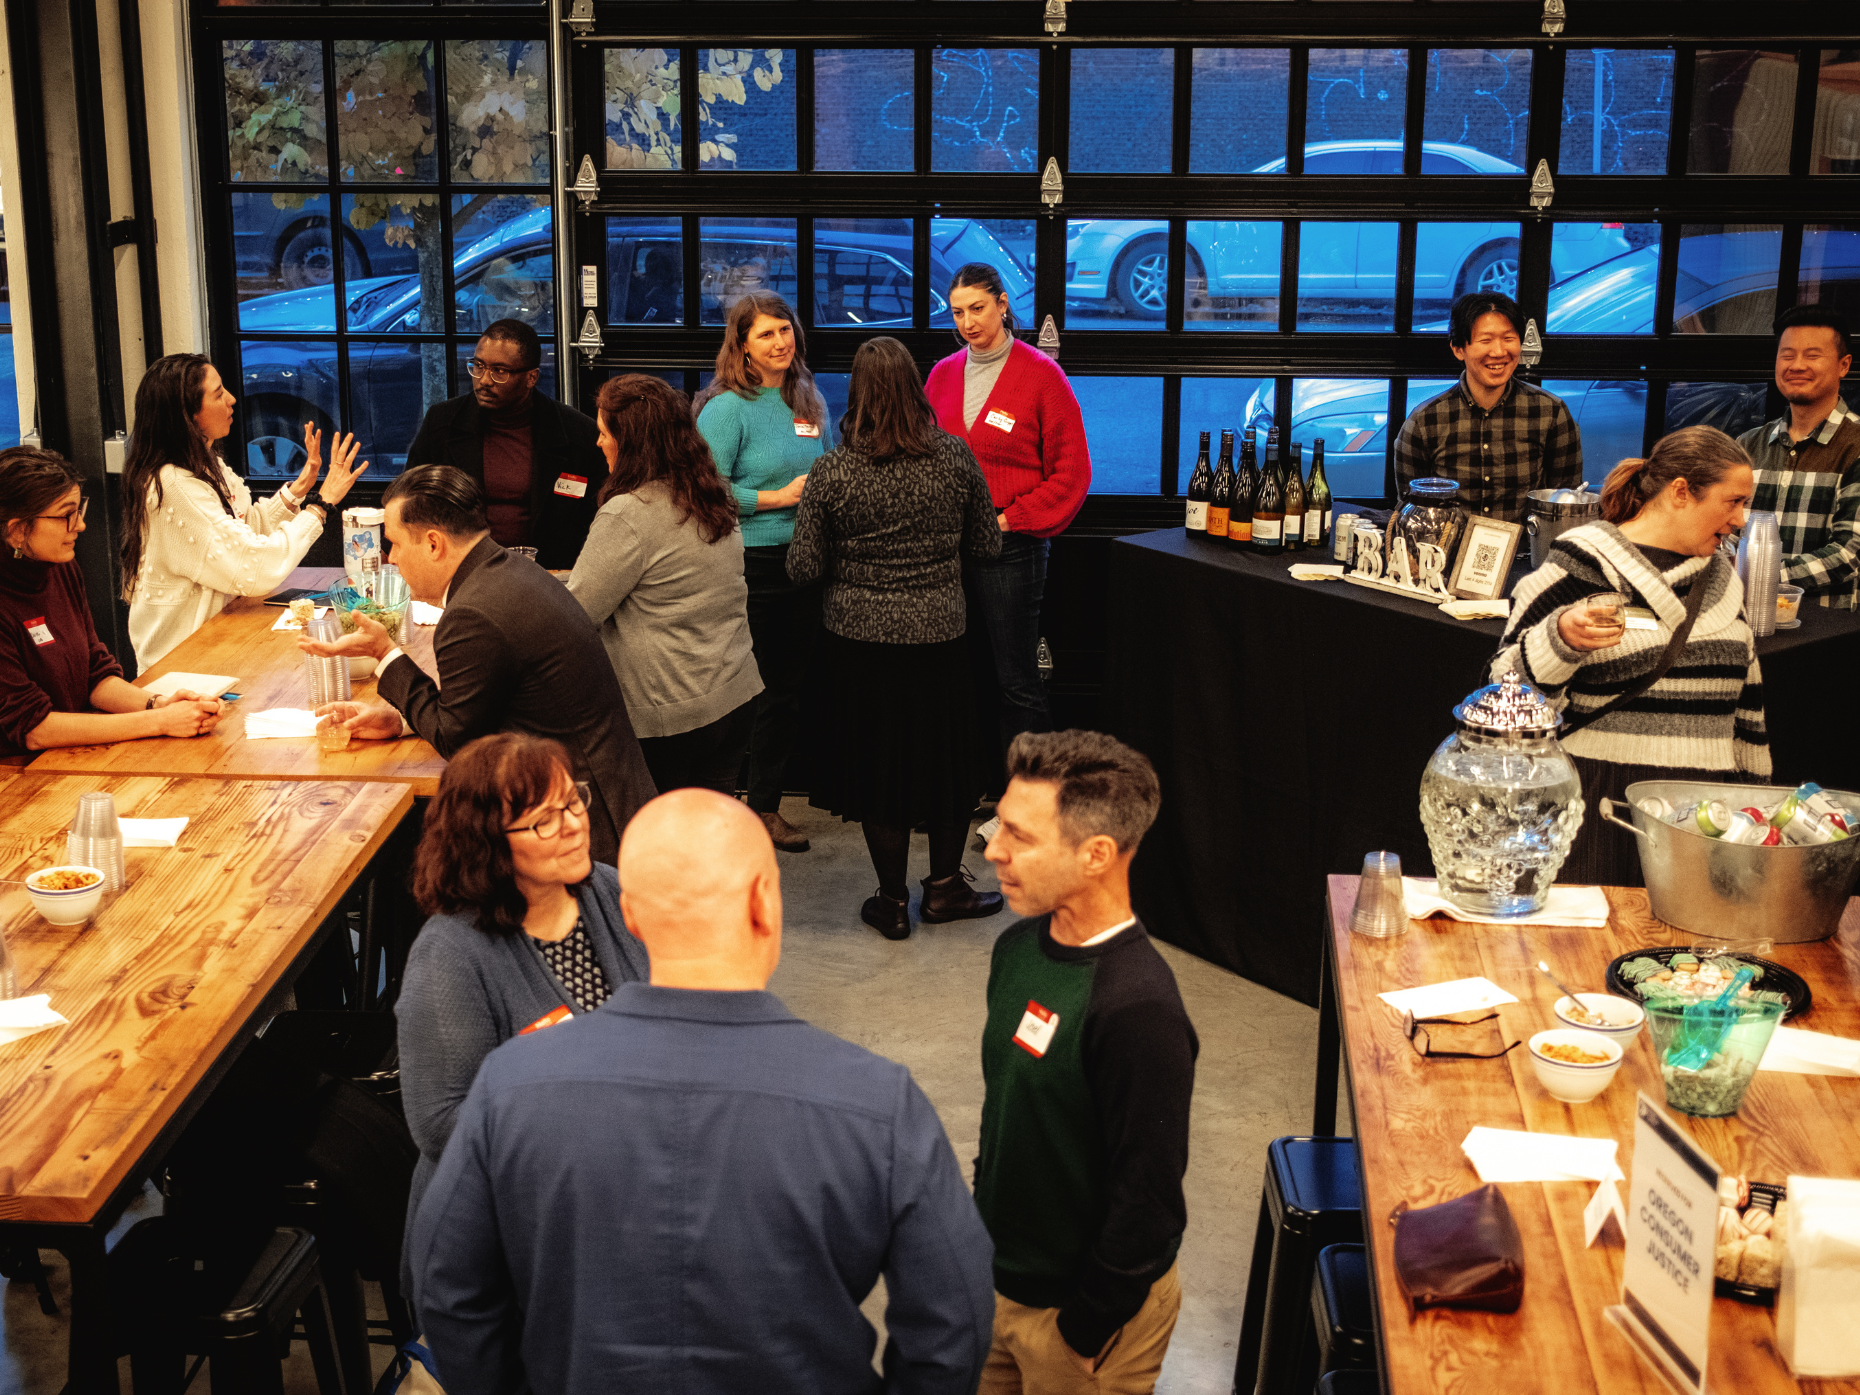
point(516, 652)
point(535, 458)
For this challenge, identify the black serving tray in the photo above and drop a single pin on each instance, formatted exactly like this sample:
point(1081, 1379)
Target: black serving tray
point(1775, 978)
point(1750, 1293)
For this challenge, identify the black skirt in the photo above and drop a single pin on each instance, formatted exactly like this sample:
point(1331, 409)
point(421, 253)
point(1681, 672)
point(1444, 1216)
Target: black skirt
point(1604, 855)
point(892, 732)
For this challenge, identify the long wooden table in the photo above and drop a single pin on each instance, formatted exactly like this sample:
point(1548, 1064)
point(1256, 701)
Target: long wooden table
point(270, 671)
point(1412, 1113)
point(163, 987)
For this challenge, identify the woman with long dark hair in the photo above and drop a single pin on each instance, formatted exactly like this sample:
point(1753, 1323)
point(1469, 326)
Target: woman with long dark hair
point(524, 928)
point(888, 520)
point(1012, 406)
point(662, 575)
point(192, 536)
point(1664, 519)
point(59, 684)
point(766, 424)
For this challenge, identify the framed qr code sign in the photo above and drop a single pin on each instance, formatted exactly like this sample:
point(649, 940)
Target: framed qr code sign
point(1485, 559)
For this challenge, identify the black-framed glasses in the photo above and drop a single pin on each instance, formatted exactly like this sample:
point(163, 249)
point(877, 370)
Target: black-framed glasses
point(1415, 1028)
point(491, 372)
point(550, 824)
point(70, 520)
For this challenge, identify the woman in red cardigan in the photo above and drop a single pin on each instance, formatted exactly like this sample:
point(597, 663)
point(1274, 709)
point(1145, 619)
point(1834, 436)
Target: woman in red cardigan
point(1013, 407)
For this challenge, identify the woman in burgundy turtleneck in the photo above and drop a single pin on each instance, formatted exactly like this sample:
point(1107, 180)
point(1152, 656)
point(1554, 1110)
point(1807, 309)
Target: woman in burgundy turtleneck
point(59, 685)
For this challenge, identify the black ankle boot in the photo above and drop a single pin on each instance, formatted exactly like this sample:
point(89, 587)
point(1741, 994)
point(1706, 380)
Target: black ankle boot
point(954, 899)
point(891, 918)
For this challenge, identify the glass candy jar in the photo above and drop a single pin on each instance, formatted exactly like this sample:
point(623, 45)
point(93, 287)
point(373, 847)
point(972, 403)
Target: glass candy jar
point(1432, 514)
point(1500, 801)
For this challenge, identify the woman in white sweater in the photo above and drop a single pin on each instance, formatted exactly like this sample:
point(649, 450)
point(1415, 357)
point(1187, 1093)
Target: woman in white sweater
point(192, 536)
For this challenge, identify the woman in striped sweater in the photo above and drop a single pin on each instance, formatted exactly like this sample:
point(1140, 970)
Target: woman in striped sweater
point(1664, 519)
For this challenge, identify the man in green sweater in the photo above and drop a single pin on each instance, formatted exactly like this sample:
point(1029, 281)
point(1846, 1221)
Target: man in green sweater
point(1089, 1063)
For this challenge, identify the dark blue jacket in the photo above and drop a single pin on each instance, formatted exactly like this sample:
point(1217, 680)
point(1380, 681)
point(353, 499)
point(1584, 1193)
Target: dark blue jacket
point(693, 1191)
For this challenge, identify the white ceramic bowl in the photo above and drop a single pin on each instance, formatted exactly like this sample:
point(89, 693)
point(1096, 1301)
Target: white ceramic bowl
point(1622, 1018)
point(1567, 1081)
point(66, 907)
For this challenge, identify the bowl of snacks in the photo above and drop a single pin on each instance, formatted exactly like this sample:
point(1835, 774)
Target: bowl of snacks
point(1602, 1013)
point(389, 605)
point(1678, 975)
point(1753, 1220)
point(66, 895)
point(1574, 1065)
point(1788, 602)
point(1709, 1083)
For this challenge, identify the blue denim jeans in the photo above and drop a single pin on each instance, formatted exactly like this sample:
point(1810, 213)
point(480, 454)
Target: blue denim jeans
point(1007, 595)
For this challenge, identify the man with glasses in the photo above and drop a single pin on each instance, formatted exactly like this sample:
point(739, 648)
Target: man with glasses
point(535, 458)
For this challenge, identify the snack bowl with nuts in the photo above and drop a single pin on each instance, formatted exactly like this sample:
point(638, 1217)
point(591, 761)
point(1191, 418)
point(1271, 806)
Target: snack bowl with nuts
point(1574, 1064)
point(66, 895)
point(1604, 1014)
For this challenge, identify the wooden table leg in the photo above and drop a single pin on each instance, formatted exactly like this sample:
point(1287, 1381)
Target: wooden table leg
point(1329, 1045)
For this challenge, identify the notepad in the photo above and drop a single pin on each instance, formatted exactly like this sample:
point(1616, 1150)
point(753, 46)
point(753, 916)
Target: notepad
point(206, 684)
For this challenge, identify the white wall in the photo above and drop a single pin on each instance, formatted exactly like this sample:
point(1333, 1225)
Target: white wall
point(12, 200)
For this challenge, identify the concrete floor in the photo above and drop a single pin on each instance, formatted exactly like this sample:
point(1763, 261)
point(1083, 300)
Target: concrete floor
point(920, 1002)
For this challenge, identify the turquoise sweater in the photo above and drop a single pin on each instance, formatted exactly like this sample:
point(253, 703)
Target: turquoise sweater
point(756, 448)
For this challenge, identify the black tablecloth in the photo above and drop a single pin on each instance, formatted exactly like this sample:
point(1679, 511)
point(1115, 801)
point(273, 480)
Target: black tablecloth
point(1290, 722)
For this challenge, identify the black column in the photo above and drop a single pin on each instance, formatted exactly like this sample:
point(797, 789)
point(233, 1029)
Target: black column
point(64, 177)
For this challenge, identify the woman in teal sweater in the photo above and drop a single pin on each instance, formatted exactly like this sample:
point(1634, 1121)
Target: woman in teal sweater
point(766, 424)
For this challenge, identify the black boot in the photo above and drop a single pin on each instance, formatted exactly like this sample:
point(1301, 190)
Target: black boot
point(891, 918)
point(954, 899)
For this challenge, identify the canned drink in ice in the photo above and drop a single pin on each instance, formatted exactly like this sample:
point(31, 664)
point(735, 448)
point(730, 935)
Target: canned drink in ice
point(1803, 829)
point(1761, 834)
point(1655, 807)
point(1712, 818)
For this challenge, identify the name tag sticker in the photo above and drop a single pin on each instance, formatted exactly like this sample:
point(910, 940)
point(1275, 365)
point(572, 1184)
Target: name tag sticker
point(1000, 420)
point(1037, 1026)
point(806, 428)
point(561, 1014)
point(41, 633)
point(574, 486)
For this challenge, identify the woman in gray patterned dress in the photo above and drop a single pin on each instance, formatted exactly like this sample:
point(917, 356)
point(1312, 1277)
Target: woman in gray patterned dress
point(887, 519)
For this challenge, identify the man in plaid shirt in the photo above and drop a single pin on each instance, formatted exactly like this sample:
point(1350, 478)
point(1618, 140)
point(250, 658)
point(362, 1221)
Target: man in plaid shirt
point(1497, 437)
point(1808, 460)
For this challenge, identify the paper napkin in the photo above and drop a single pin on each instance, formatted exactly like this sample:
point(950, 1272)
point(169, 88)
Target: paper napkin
point(151, 833)
point(287, 621)
point(1314, 571)
point(280, 721)
point(206, 684)
point(1583, 906)
point(1514, 1155)
point(1476, 610)
point(21, 1017)
point(424, 614)
point(1439, 999)
point(1811, 1053)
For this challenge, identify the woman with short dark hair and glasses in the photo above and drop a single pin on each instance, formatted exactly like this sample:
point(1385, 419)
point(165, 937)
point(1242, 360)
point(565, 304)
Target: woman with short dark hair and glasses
point(524, 928)
point(59, 685)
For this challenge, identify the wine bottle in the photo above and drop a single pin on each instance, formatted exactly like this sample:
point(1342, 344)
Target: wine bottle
point(1200, 485)
point(1246, 480)
point(1317, 500)
point(1269, 501)
point(1221, 495)
point(1294, 527)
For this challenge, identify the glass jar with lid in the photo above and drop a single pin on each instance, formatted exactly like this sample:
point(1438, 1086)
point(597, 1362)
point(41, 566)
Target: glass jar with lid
point(1501, 802)
point(1432, 514)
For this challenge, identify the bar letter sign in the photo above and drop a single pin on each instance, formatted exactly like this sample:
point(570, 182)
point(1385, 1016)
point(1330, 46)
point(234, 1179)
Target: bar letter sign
point(1666, 1280)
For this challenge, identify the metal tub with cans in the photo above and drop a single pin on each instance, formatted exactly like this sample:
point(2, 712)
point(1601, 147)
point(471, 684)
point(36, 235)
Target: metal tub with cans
point(1738, 882)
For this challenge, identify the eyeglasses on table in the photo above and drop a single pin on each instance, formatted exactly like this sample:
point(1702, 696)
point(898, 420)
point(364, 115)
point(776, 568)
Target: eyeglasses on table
point(1415, 1029)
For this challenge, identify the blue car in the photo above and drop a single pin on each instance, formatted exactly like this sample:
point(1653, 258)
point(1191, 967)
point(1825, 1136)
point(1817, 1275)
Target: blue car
point(1127, 260)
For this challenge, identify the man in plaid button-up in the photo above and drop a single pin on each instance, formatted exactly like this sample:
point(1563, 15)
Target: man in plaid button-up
point(1808, 460)
point(1497, 437)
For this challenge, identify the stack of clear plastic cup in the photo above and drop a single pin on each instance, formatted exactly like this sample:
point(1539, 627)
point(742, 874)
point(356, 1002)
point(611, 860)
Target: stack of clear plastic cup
point(96, 838)
point(1759, 567)
point(1381, 905)
point(329, 678)
point(9, 983)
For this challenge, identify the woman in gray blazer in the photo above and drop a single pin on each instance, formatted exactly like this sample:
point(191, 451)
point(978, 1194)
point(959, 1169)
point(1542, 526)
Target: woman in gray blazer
point(662, 575)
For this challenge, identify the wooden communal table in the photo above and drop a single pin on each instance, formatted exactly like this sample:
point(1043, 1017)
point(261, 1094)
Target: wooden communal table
point(163, 988)
point(1411, 1115)
point(269, 668)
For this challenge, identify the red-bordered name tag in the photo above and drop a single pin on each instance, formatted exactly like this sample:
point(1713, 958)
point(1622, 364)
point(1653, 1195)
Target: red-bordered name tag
point(1037, 1025)
point(561, 1014)
point(574, 486)
point(1000, 420)
point(41, 632)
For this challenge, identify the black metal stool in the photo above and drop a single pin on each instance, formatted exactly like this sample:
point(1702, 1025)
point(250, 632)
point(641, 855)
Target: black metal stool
point(1311, 1199)
point(1342, 1311)
point(1350, 1383)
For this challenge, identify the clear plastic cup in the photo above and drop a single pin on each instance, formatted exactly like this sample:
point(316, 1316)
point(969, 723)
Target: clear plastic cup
point(1381, 904)
point(1717, 1088)
point(95, 838)
point(528, 552)
point(1607, 608)
point(332, 735)
point(1788, 602)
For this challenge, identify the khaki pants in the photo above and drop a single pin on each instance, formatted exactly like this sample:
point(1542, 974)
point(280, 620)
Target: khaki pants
point(1029, 1357)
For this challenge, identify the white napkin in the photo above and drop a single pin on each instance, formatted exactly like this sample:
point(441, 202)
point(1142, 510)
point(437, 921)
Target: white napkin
point(280, 721)
point(1820, 1274)
point(151, 833)
point(287, 621)
point(1513, 1155)
point(206, 684)
point(1476, 610)
point(21, 1017)
point(1583, 906)
point(1314, 571)
point(1811, 1053)
point(424, 614)
point(1439, 999)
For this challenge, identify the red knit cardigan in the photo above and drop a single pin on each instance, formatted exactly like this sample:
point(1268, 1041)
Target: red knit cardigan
point(1029, 438)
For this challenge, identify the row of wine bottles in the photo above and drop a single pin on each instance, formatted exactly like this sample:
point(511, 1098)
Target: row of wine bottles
point(1269, 508)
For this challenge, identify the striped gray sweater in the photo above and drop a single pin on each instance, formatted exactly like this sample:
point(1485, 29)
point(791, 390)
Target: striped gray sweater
point(1704, 719)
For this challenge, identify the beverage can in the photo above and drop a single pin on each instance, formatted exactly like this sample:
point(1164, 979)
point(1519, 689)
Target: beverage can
point(1803, 829)
point(1655, 807)
point(1342, 536)
point(1713, 818)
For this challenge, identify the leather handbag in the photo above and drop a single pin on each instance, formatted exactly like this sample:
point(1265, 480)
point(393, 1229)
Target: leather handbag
point(1464, 1253)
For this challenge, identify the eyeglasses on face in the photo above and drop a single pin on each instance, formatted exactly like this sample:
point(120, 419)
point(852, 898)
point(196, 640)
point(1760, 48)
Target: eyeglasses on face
point(1415, 1029)
point(550, 824)
point(491, 372)
point(71, 520)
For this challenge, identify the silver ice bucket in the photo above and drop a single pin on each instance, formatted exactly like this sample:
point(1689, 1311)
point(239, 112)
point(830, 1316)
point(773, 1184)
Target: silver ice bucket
point(1546, 517)
point(1735, 891)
